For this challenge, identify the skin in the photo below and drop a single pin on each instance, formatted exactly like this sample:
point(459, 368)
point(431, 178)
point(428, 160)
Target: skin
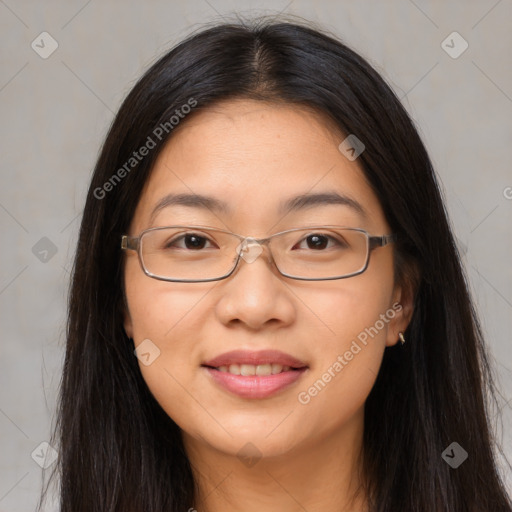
point(253, 155)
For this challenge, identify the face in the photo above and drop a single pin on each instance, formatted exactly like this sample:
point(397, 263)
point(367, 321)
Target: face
point(253, 156)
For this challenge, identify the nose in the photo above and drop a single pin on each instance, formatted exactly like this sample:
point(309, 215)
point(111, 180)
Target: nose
point(255, 293)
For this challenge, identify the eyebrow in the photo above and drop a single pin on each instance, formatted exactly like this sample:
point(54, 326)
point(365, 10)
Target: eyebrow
point(296, 203)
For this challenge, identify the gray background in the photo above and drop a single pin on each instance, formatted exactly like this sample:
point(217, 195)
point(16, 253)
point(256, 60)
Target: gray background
point(56, 111)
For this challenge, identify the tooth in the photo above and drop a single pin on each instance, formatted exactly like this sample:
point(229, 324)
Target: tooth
point(263, 369)
point(276, 368)
point(247, 369)
point(234, 369)
point(251, 369)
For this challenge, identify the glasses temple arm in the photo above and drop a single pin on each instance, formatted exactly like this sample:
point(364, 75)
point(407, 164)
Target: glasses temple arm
point(381, 241)
point(130, 242)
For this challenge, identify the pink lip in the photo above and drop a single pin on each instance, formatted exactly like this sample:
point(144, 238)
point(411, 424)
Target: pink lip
point(255, 358)
point(255, 386)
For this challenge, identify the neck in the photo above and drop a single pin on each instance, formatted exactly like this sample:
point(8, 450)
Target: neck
point(318, 475)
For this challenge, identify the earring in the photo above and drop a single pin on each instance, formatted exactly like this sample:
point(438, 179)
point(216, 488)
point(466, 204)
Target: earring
point(401, 336)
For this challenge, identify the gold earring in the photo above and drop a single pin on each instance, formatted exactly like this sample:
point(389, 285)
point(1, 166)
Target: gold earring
point(401, 336)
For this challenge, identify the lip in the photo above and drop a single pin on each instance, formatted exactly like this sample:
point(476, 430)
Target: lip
point(255, 386)
point(255, 358)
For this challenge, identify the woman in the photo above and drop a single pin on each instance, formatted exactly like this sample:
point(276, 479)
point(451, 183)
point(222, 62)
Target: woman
point(268, 310)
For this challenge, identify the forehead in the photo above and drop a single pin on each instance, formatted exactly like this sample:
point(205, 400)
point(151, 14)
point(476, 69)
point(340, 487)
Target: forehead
point(252, 156)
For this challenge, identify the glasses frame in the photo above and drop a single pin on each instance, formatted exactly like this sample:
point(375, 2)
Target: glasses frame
point(133, 243)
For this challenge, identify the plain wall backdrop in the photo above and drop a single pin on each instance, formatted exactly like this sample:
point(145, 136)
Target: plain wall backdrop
point(59, 92)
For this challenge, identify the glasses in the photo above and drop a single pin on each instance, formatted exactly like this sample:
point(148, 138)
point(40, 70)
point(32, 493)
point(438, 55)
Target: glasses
point(198, 253)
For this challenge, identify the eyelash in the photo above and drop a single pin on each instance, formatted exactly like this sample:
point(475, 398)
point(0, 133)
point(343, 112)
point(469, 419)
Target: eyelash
point(169, 244)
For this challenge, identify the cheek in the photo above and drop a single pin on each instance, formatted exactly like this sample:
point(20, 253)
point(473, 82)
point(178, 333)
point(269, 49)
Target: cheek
point(355, 318)
point(352, 309)
point(160, 309)
point(166, 321)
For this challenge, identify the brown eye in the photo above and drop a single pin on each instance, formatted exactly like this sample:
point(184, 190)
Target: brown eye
point(192, 241)
point(317, 241)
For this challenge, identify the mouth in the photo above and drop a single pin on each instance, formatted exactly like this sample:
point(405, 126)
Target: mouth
point(261, 362)
point(260, 370)
point(254, 374)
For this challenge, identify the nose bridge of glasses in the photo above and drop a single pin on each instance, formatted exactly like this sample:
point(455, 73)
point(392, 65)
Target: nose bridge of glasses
point(250, 248)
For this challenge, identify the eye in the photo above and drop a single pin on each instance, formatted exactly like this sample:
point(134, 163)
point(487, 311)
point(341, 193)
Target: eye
point(318, 241)
point(192, 241)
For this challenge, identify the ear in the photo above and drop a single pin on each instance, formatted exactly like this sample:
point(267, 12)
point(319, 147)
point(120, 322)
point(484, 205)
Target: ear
point(403, 306)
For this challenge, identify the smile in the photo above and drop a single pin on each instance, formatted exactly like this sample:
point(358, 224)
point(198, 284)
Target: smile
point(251, 369)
